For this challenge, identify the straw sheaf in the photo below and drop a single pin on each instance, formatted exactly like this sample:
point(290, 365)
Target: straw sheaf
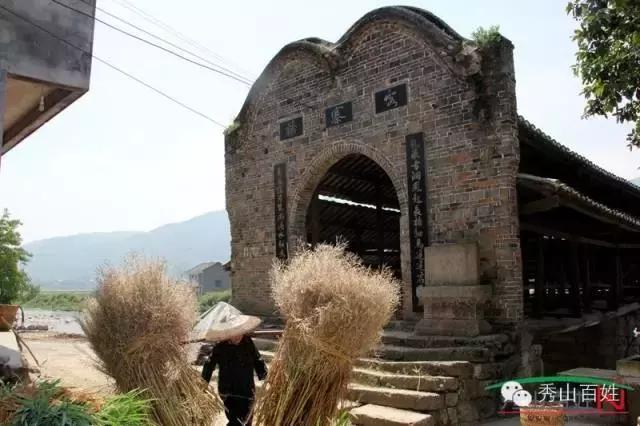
point(135, 326)
point(335, 308)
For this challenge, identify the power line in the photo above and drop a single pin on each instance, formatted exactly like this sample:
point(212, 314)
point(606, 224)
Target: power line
point(166, 27)
point(147, 85)
point(150, 43)
point(114, 16)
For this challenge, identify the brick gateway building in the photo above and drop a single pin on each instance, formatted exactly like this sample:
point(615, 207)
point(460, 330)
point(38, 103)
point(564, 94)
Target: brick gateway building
point(404, 139)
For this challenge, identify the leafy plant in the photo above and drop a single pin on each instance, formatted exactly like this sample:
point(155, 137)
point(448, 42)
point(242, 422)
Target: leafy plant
point(485, 37)
point(13, 281)
point(207, 300)
point(42, 408)
point(128, 409)
point(608, 38)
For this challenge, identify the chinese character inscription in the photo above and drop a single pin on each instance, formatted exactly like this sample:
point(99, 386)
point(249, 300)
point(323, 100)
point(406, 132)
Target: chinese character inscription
point(416, 183)
point(280, 193)
point(391, 98)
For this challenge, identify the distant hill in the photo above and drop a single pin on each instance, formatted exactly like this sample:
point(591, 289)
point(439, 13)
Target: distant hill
point(69, 263)
point(636, 181)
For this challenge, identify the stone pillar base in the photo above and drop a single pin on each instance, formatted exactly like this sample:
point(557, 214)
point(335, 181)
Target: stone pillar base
point(452, 327)
point(454, 310)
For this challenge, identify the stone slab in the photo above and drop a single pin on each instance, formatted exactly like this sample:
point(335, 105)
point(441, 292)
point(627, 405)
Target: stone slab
point(477, 293)
point(452, 264)
point(397, 398)
point(452, 327)
point(377, 415)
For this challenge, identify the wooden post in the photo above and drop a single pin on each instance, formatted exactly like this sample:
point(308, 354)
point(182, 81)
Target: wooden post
point(379, 225)
point(574, 279)
point(586, 278)
point(619, 289)
point(538, 302)
point(315, 220)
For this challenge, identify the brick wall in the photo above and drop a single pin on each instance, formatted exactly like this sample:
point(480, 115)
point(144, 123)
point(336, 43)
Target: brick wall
point(467, 114)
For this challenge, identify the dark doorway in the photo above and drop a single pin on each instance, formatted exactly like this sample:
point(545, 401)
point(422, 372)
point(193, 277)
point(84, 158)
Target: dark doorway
point(356, 203)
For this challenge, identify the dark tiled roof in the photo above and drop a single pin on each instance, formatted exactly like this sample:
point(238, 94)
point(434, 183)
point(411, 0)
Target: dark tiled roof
point(543, 138)
point(199, 268)
point(577, 200)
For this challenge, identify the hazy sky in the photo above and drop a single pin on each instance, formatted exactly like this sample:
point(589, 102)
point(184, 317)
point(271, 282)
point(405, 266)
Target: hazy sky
point(123, 158)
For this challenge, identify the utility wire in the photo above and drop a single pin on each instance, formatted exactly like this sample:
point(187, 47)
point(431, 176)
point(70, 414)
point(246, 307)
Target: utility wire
point(163, 25)
point(147, 85)
point(114, 16)
point(150, 43)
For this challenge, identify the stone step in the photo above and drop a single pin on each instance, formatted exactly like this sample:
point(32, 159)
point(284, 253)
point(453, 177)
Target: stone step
point(461, 369)
point(378, 415)
point(446, 369)
point(397, 398)
point(416, 382)
point(264, 344)
point(459, 353)
point(404, 338)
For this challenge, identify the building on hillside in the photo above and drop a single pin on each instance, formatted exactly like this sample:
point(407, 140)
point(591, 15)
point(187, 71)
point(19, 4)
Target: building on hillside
point(209, 276)
point(45, 62)
point(404, 139)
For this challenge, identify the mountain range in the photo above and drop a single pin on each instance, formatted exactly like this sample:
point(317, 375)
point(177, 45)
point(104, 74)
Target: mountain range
point(70, 263)
point(636, 181)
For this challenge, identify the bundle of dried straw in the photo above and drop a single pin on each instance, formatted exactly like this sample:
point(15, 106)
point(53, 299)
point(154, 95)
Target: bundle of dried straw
point(135, 325)
point(335, 309)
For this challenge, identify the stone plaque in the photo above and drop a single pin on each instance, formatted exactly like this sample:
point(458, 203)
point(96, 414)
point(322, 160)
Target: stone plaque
point(338, 114)
point(280, 193)
point(291, 128)
point(416, 183)
point(393, 97)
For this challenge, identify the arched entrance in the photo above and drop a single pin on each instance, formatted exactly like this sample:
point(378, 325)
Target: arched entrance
point(356, 202)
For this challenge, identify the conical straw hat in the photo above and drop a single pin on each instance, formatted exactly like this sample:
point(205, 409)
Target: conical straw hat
point(222, 322)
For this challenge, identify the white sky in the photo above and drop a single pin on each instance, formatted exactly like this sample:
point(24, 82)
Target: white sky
point(123, 158)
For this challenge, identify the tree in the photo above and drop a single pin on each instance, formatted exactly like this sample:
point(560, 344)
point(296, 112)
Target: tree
point(14, 282)
point(608, 59)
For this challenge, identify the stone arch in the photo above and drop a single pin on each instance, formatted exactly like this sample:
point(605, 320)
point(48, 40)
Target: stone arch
point(311, 177)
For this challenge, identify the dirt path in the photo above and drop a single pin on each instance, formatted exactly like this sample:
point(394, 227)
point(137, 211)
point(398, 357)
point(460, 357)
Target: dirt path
point(69, 359)
point(72, 361)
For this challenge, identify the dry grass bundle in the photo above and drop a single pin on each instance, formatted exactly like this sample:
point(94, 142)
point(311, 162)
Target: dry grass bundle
point(335, 309)
point(135, 326)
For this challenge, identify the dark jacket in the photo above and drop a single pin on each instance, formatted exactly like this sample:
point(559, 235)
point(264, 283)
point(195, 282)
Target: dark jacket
point(237, 364)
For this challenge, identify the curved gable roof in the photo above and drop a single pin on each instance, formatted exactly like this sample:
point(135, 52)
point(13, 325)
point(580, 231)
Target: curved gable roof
point(434, 29)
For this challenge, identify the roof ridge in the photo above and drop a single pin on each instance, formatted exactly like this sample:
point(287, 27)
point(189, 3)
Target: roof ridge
point(532, 127)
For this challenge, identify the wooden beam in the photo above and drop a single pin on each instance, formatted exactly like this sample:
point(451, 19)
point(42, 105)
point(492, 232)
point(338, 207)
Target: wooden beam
point(586, 278)
point(618, 283)
point(356, 197)
point(574, 279)
point(572, 237)
point(379, 224)
point(539, 296)
point(539, 206)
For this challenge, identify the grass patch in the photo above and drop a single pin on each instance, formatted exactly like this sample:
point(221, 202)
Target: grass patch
point(58, 301)
point(207, 300)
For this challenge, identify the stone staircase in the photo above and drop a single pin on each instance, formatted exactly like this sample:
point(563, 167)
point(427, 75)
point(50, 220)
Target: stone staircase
point(412, 380)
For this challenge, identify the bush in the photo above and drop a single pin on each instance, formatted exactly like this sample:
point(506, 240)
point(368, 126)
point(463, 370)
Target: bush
point(485, 37)
point(207, 300)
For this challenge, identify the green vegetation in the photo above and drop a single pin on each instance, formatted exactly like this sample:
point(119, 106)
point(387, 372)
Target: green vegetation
point(207, 300)
point(58, 301)
point(47, 403)
point(608, 38)
point(125, 409)
point(485, 37)
point(75, 301)
point(14, 282)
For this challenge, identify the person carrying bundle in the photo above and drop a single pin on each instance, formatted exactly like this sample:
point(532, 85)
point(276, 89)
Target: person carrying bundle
point(236, 357)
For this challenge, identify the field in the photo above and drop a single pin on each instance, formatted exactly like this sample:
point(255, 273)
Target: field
point(58, 301)
point(74, 300)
